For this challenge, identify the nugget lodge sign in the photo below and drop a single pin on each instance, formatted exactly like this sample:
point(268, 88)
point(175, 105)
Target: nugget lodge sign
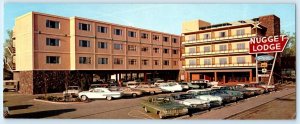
point(270, 44)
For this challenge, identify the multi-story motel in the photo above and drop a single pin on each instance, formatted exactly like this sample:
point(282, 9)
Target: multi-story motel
point(220, 52)
point(53, 51)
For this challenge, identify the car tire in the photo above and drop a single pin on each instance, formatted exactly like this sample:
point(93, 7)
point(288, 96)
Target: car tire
point(109, 98)
point(152, 92)
point(146, 110)
point(134, 95)
point(84, 98)
point(160, 115)
point(5, 90)
point(172, 91)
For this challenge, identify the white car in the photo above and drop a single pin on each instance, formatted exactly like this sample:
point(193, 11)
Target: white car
point(72, 90)
point(191, 101)
point(99, 93)
point(204, 94)
point(170, 87)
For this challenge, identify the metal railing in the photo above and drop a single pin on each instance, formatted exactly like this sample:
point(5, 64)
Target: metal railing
point(11, 49)
point(245, 50)
point(206, 40)
point(245, 64)
point(10, 64)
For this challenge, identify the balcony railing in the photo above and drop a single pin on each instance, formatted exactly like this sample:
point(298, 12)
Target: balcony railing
point(205, 53)
point(218, 39)
point(246, 64)
point(11, 49)
point(10, 64)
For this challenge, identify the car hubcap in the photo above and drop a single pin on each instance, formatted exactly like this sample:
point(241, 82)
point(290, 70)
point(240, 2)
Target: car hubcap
point(109, 98)
point(84, 98)
point(133, 95)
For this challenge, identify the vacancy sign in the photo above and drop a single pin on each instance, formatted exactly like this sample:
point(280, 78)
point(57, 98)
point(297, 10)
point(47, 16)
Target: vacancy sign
point(268, 44)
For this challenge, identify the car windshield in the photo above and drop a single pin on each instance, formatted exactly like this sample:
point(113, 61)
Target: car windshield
point(187, 96)
point(164, 99)
point(203, 93)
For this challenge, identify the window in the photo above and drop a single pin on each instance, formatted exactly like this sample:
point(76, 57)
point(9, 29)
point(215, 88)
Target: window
point(102, 29)
point(52, 59)
point(156, 62)
point(166, 39)
point(207, 62)
point(117, 31)
point(240, 46)
point(166, 62)
point(155, 37)
point(240, 32)
point(192, 50)
point(118, 61)
point(223, 60)
point(144, 36)
point(84, 27)
point(132, 61)
point(174, 51)
point(102, 45)
point(192, 62)
point(145, 62)
point(241, 60)
point(118, 46)
point(131, 48)
point(52, 24)
point(206, 36)
point(102, 60)
point(84, 43)
point(174, 40)
point(52, 42)
point(207, 49)
point(166, 51)
point(223, 47)
point(174, 62)
point(222, 34)
point(192, 37)
point(131, 34)
point(84, 60)
point(156, 50)
point(144, 49)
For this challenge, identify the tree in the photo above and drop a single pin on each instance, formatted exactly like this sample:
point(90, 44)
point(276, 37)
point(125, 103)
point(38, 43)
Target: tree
point(290, 49)
point(7, 72)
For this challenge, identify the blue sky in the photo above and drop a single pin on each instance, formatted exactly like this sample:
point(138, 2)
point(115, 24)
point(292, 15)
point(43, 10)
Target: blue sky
point(160, 17)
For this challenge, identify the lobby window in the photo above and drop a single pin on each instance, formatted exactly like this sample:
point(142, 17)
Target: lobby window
point(102, 29)
point(192, 50)
point(207, 49)
point(156, 62)
point(222, 34)
point(118, 61)
point(155, 37)
point(174, 51)
point(223, 61)
point(144, 49)
point(206, 36)
point(166, 62)
point(223, 47)
point(174, 62)
point(84, 27)
point(102, 60)
point(145, 62)
point(102, 45)
point(240, 46)
point(52, 42)
point(131, 34)
point(131, 47)
point(166, 39)
point(117, 31)
point(192, 62)
point(241, 60)
point(156, 50)
point(52, 24)
point(240, 32)
point(207, 62)
point(52, 59)
point(144, 36)
point(166, 51)
point(118, 46)
point(132, 61)
point(84, 43)
point(85, 60)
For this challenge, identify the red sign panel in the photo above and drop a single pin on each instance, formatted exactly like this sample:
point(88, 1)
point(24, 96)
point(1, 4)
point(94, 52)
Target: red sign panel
point(268, 44)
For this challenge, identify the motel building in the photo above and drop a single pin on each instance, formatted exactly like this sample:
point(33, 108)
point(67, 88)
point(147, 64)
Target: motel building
point(52, 51)
point(220, 52)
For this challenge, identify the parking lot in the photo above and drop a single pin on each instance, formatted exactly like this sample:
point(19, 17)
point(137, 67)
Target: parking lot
point(24, 106)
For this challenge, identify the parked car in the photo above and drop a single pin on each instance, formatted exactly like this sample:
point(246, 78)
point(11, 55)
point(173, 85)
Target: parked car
point(225, 96)
point(10, 85)
point(99, 93)
point(72, 91)
point(95, 86)
point(132, 84)
point(213, 83)
point(256, 90)
point(193, 86)
point(191, 101)
point(164, 106)
point(113, 87)
point(6, 112)
point(226, 89)
point(131, 92)
point(158, 82)
point(184, 85)
point(148, 89)
point(268, 88)
point(170, 87)
point(205, 94)
point(246, 93)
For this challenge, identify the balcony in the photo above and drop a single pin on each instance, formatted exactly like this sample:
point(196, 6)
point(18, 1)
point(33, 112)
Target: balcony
point(219, 52)
point(212, 66)
point(10, 64)
point(218, 39)
point(11, 49)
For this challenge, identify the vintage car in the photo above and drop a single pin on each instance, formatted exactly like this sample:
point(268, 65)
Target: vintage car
point(164, 106)
point(225, 96)
point(268, 88)
point(99, 93)
point(131, 92)
point(158, 82)
point(132, 84)
point(191, 101)
point(10, 85)
point(227, 89)
point(72, 91)
point(193, 86)
point(252, 87)
point(184, 85)
point(170, 87)
point(205, 94)
point(148, 89)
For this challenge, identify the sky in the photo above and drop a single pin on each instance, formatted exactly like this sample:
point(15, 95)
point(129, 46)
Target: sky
point(160, 17)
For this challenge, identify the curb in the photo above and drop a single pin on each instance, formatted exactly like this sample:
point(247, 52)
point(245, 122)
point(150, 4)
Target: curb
point(39, 100)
